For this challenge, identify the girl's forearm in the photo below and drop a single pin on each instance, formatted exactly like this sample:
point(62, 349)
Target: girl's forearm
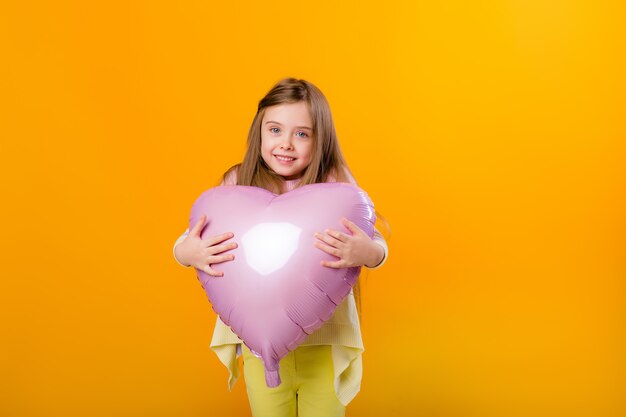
point(375, 256)
point(181, 255)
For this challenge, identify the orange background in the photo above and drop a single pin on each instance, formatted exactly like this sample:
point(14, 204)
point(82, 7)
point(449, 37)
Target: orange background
point(490, 134)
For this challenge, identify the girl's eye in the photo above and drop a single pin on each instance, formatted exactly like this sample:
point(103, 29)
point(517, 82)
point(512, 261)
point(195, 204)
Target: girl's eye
point(274, 129)
point(304, 135)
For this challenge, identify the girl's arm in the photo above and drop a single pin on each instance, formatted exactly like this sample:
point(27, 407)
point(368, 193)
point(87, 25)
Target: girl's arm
point(195, 251)
point(380, 240)
point(178, 241)
point(203, 254)
point(377, 237)
point(354, 248)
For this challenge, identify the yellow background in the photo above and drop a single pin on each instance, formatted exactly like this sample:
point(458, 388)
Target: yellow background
point(489, 133)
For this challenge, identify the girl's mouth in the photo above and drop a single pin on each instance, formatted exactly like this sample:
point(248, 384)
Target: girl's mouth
point(284, 159)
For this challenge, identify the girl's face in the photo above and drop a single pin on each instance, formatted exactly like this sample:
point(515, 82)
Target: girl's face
point(286, 139)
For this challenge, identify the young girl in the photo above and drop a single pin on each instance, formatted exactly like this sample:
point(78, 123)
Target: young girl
point(291, 143)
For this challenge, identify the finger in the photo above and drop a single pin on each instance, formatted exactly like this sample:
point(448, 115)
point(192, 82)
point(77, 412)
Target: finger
point(335, 264)
point(351, 226)
point(342, 237)
point(328, 249)
point(219, 238)
point(212, 272)
point(328, 239)
point(198, 226)
point(221, 258)
point(215, 249)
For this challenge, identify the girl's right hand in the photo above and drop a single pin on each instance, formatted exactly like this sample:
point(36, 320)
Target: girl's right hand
point(202, 254)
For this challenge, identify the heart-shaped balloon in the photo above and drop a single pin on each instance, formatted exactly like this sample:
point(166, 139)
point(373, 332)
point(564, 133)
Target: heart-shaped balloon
point(276, 292)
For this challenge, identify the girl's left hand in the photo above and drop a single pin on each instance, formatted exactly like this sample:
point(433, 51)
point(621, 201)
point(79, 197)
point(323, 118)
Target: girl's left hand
point(357, 249)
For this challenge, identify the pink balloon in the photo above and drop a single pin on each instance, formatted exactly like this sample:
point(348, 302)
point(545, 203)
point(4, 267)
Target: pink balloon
point(275, 292)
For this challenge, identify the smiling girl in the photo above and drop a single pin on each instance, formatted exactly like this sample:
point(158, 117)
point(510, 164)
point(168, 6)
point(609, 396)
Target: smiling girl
point(292, 142)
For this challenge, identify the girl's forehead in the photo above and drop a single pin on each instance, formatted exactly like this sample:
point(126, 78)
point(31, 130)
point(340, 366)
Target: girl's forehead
point(295, 114)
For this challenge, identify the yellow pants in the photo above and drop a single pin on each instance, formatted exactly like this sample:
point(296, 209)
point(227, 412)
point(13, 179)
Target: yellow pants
point(306, 388)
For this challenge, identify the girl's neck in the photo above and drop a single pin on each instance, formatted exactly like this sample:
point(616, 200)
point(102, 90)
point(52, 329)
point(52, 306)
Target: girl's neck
point(289, 185)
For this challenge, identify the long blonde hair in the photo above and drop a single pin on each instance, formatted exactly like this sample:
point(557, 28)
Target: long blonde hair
point(327, 161)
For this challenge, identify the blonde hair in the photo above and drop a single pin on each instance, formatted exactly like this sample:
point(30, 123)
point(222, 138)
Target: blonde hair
point(327, 162)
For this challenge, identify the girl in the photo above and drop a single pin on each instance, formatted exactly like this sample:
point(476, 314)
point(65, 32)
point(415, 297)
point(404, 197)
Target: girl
point(291, 143)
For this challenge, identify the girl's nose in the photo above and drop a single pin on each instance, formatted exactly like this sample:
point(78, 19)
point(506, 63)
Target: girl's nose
point(286, 145)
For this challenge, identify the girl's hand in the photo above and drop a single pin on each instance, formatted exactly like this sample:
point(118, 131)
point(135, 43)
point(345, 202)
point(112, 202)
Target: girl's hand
point(202, 254)
point(355, 249)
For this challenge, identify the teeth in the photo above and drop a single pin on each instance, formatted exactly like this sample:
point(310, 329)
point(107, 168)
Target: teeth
point(282, 158)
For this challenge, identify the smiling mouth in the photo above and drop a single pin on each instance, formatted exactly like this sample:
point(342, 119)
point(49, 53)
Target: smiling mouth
point(284, 158)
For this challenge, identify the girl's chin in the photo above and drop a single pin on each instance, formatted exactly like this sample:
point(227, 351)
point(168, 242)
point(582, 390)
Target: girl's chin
point(288, 174)
point(291, 177)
